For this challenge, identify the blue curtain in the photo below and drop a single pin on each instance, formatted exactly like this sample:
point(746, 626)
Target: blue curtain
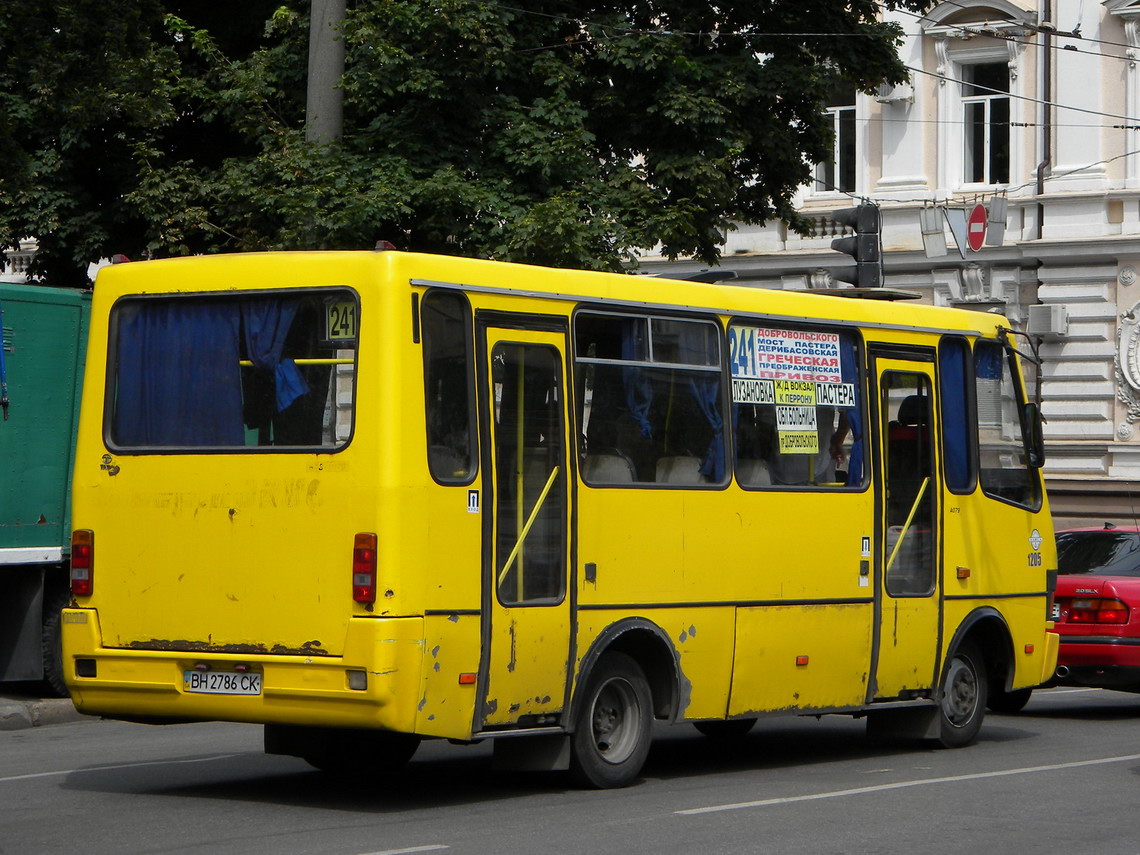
point(694, 348)
point(638, 388)
point(955, 430)
point(849, 373)
point(266, 324)
point(705, 390)
point(178, 378)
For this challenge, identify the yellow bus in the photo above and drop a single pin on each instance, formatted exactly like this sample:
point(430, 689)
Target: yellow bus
point(365, 498)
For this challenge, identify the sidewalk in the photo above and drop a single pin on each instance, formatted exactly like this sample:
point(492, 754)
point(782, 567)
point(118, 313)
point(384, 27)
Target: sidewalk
point(19, 711)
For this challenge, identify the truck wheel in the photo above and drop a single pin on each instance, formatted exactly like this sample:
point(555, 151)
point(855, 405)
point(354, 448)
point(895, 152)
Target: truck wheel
point(963, 703)
point(612, 725)
point(51, 642)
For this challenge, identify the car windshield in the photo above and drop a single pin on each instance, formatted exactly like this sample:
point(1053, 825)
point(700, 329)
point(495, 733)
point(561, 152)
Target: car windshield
point(1109, 553)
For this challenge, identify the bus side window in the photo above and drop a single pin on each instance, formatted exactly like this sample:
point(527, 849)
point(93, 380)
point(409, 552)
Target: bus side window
point(1004, 469)
point(649, 400)
point(796, 412)
point(448, 379)
point(955, 412)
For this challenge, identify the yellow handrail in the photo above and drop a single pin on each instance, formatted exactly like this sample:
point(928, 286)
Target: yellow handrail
point(247, 363)
point(530, 521)
point(909, 520)
point(520, 460)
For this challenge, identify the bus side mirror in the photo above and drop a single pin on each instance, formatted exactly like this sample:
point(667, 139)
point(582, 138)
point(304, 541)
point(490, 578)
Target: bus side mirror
point(1034, 435)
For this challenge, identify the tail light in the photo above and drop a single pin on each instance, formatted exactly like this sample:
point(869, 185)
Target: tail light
point(82, 562)
point(1051, 610)
point(364, 568)
point(1098, 611)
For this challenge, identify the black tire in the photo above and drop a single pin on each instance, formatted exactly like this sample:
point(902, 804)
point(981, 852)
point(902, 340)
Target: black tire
point(612, 724)
point(733, 728)
point(1009, 702)
point(360, 754)
point(51, 642)
point(962, 698)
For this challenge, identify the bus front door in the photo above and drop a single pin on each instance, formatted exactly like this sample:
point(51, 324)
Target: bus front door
point(526, 601)
point(909, 601)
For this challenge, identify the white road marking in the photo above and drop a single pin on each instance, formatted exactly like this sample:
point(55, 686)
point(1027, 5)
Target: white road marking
point(900, 785)
point(115, 766)
point(1050, 692)
point(431, 848)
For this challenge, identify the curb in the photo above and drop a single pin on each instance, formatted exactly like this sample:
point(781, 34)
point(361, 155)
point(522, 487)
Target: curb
point(17, 714)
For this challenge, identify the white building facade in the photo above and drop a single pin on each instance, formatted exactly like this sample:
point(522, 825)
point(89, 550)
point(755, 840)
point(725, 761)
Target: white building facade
point(1037, 103)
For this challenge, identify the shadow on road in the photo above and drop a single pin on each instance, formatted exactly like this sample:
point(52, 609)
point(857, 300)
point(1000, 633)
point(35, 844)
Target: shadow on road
point(1123, 706)
point(443, 775)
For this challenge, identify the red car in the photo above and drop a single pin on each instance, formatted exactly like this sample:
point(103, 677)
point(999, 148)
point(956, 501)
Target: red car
point(1096, 607)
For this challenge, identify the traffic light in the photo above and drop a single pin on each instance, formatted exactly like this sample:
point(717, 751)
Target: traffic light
point(863, 246)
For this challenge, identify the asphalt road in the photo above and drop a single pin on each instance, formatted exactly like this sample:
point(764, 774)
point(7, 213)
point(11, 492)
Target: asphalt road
point(1063, 775)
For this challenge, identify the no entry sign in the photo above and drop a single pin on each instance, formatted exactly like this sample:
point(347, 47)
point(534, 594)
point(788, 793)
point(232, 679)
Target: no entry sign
point(976, 228)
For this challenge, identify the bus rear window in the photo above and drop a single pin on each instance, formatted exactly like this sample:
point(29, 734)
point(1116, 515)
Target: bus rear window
point(268, 370)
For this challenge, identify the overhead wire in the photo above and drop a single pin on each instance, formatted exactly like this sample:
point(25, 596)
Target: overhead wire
point(979, 28)
point(970, 29)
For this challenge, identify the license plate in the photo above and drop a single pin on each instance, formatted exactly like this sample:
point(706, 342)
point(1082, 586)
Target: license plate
point(221, 683)
point(1056, 612)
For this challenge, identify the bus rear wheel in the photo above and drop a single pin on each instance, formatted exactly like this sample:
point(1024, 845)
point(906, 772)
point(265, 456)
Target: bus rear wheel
point(963, 698)
point(613, 725)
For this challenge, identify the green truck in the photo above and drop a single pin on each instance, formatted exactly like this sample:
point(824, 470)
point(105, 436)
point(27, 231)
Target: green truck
point(41, 377)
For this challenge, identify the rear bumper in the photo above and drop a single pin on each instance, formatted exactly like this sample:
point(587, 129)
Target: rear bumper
point(1052, 653)
point(148, 684)
point(1102, 661)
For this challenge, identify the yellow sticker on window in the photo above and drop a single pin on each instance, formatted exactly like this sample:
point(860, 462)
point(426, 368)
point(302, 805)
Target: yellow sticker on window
point(340, 321)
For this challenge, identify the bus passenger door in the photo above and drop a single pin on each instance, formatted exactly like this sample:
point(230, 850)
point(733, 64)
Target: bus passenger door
point(908, 595)
point(526, 601)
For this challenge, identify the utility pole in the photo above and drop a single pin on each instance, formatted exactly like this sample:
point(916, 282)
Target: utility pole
point(324, 103)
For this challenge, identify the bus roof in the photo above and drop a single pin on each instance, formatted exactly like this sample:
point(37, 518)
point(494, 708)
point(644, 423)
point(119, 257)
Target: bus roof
point(260, 270)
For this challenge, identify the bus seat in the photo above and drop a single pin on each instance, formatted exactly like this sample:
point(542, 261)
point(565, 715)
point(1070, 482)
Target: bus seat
point(752, 472)
point(912, 410)
point(679, 470)
point(610, 467)
point(908, 456)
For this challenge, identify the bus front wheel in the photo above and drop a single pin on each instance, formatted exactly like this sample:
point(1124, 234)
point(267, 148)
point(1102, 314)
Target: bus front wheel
point(613, 725)
point(963, 703)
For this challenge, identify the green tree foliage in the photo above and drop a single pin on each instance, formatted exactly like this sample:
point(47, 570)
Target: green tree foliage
point(557, 132)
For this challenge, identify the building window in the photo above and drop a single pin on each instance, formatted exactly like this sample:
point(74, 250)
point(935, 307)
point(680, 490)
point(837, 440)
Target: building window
point(837, 175)
point(985, 116)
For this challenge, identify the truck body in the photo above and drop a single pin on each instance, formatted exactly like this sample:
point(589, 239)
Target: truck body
point(44, 342)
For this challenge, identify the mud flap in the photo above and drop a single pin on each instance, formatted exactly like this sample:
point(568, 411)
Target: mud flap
point(914, 723)
point(532, 753)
